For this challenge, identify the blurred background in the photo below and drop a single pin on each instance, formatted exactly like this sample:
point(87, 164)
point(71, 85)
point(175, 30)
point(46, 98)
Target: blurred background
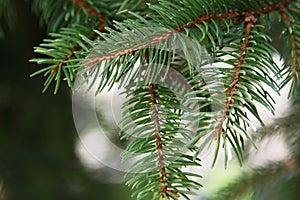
point(37, 134)
point(42, 158)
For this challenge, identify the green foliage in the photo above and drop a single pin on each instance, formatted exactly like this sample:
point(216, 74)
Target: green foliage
point(160, 140)
point(7, 14)
point(142, 42)
point(291, 35)
point(63, 53)
point(273, 180)
point(64, 13)
point(260, 183)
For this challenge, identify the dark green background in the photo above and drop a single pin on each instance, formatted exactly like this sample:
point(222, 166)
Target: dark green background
point(37, 134)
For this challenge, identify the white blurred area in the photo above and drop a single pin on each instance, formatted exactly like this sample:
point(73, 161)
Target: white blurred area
point(97, 152)
point(2, 190)
point(95, 146)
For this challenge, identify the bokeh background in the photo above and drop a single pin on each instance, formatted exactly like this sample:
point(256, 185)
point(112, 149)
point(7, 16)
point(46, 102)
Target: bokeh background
point(37, 134)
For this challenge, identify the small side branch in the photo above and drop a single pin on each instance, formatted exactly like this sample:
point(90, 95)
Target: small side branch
point(71, 55)
point(249, 20)
point(156, 124)
point(163, 177)
point(92, 12)
point(293, 44)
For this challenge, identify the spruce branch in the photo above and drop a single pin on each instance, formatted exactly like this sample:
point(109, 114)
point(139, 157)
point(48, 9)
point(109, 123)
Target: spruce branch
point(235, 16)
point(63, 52)
point(139, 53)
point(157, 128)
point(159, 137)
point(70, 60)
point(65, 13)
point(92, 12)
point(242, 95)
point(66, 61)
point(292, 63)
point(245, 89)
point(250, 20)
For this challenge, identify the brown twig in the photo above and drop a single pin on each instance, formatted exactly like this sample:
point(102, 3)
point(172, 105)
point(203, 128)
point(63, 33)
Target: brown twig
point(293, 44)
point(158, 140)
point(93, 13)
point(249, 20)
point(156, 123)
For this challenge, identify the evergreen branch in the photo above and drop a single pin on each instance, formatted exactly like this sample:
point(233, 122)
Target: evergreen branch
point(156, 40)
point(235, 16)
point(139, 53)
point(250, 20)
point(151, 108)
point(68, 61)
point(158, 139)
point(92, 12)
point(246, 89)
point(72, 54)
point(64, 53)
point(66, 13)
point(257, 68)
point(293, 44)
point(293, 62)
point(243, 86)
point(157, 128)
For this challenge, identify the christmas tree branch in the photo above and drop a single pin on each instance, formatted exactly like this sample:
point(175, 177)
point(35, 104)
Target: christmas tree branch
point(157, 128)
point(163, 153)
point(235, 16)
point(249, 20)
point(63, 61)
point(292, 55)
point(170, 125)
point(92, 12)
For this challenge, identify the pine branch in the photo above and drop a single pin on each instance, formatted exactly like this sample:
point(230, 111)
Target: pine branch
point(236, 16)
point(292, 63)
point(138, 54)
point(160, 140)
point(250, 20)
point(66, 61)
point(65, 13)
point(92, 12)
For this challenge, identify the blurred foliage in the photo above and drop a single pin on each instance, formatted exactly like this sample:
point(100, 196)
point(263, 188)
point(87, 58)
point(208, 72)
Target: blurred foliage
point(37, 134)
point(8, 16)
point(275, 180)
